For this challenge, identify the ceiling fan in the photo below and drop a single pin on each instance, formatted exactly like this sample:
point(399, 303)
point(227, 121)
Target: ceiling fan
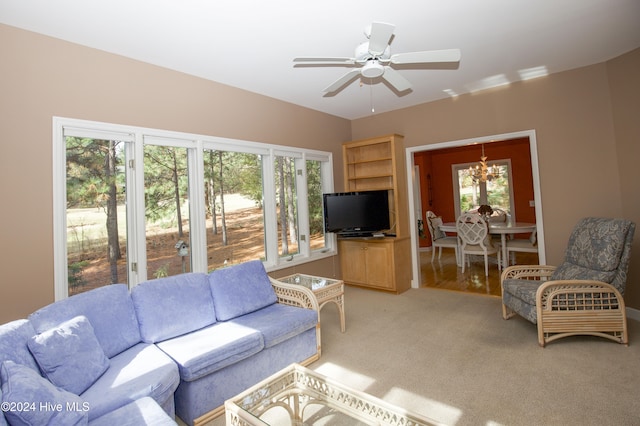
point(373, 59)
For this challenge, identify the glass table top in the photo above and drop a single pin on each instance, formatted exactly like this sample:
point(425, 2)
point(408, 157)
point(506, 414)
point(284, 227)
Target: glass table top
point(308, 281)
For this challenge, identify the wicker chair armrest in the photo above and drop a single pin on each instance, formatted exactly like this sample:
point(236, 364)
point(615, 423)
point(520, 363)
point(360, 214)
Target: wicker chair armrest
point(531, 272)
point(580, 307)
point(579, 294)
point(295, 295)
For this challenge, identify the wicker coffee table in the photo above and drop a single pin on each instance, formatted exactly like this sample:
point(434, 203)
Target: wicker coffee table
point(299, 396)
point(324, 289)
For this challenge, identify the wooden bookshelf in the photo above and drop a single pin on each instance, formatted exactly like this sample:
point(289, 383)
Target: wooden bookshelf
point(381, 263)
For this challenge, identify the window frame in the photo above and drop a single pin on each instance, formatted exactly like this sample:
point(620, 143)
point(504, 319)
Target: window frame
point(455, 168)
point(136, 138)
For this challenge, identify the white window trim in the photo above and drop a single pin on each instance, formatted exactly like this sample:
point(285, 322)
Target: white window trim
point(136, 138)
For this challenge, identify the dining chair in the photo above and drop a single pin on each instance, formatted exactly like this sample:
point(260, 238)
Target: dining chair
point(439, 238)
point(528, 245)
point(473, 235)
point(499, 216)
point(582, 296)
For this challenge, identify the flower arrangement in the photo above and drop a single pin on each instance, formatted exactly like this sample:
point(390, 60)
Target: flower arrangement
point(485, 210)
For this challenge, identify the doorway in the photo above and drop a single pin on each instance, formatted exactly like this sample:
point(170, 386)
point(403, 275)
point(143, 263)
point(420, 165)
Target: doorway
point(415, 208)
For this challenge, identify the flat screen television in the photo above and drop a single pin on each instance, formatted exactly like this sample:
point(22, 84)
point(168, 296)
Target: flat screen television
point(356, 213)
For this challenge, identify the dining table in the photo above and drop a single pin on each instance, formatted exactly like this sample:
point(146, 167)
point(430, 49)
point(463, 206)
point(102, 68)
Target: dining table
point(499, 228)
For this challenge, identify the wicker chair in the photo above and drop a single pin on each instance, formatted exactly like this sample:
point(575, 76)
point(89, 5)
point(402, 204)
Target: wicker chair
point(582, 296)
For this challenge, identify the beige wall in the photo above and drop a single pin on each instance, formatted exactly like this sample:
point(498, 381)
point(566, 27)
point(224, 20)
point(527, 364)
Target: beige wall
point(587, 148)
point(42, 77)
point(624, 81)
point(588, 151)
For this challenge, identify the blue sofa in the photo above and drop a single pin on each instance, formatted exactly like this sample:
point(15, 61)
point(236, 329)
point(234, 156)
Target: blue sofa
point(178, 345)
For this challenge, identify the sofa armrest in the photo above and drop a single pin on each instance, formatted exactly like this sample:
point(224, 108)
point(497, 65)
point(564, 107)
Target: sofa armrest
point(302, 297)
point(295, 295)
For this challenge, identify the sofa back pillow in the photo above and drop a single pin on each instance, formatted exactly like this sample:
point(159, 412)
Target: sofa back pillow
point(14, 336)
point(241, 289)
point(25, 393)
point(69, 355)
point(172, 306)
point(109, 309)
point(3, 420)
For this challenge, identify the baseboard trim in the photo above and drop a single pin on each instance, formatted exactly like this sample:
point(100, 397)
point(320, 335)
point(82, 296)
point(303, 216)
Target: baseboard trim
point(633, 313)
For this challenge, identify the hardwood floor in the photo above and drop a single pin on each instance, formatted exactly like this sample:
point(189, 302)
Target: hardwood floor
point(444, 274)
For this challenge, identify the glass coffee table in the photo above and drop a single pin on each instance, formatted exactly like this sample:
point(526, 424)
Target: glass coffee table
point(324, 289)
point(299, 396)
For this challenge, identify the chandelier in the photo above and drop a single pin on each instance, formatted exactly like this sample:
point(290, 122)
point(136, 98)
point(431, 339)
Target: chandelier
point(482, 172)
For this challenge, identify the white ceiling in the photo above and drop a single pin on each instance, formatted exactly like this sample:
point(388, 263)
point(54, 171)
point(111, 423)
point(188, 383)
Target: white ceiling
point(250, 44)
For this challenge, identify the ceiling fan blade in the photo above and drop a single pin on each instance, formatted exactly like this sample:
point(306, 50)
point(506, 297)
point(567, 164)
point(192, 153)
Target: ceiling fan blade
point(429, 56)
point(325, 60)
point(342, 81)
point(379, 39)
point(395, 79)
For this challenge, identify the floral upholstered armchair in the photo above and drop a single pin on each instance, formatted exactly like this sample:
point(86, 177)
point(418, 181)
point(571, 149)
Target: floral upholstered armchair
point(582, 296)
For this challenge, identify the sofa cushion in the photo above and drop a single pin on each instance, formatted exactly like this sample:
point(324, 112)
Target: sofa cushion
point(3, 420)
point(278, 322)
point(142, 370)
point(171, 306)
point(14, 336)
point(70, 355)
point(31, 392)
point(204, 351)
point(116, 328)
point(143, 411)
point(241, 289)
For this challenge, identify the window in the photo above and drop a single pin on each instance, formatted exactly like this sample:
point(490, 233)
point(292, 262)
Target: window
point(134, 204)
point(497, 193)
point(317, 237)
point(234, 207)
point(96, 216)
point(166, 207)
point(285, 184)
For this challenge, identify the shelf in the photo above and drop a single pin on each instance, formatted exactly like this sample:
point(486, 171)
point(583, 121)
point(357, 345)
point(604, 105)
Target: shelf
point(374, 164)
point(364, 187)
point(375, 160)
point(368, 152)
point(370, 170)
point(385, 175)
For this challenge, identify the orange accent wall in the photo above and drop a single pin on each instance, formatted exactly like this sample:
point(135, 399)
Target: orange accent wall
point(436, 182)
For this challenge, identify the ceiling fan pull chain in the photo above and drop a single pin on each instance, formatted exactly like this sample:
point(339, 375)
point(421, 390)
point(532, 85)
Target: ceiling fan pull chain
point(371, 94)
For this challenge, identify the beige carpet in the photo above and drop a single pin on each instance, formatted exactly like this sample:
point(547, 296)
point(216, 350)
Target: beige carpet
point(451, 357)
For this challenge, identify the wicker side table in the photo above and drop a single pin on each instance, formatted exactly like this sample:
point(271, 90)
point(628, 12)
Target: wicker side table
point(324, 289)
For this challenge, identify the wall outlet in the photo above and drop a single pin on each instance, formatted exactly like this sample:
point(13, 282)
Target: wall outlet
point(532, 203)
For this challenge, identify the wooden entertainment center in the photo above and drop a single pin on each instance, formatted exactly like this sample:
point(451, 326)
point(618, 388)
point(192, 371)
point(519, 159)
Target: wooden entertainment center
point(382, 263)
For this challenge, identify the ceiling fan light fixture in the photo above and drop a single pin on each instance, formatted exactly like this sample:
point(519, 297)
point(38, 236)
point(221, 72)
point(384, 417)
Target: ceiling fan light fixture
point(373, 60)
point(372, 69)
